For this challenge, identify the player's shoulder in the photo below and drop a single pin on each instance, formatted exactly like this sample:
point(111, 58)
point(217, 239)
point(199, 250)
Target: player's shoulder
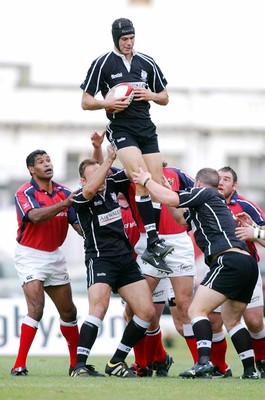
point(144, 56)
point(25, 187)
point(105, 56)
point(243, 200)
point(171, 170)
point(102, 58)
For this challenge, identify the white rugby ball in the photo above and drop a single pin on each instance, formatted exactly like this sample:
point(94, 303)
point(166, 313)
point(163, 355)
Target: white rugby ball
point(121, 90)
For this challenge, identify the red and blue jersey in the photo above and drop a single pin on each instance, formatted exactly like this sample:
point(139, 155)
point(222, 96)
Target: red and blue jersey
point(239, 204)
point(45, 236)
point(167, 225)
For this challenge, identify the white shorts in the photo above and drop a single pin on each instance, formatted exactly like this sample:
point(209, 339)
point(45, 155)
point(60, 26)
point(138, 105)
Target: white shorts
point(181, 260)
point(163, 291)
point(49, 267)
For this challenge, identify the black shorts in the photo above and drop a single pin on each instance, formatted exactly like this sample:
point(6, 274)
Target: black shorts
point(234, 275)
point(129, 133)
point(116, 271)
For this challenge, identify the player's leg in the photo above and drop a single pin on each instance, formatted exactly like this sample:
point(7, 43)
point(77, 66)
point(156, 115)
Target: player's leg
point(143, 312)
point(156, 248)
point(219, 346)
point(32, 273)
point(149, 351)
point(132, 159)
point(232, 312)
point(139, 366)
point(59, 290)
point(61, 296)
point(34, 295)
point(98, 300)
point(253, 317)
point(182, 262)
point(183, 295)
point(204, 301)
point(157, 357)
point(154, 165)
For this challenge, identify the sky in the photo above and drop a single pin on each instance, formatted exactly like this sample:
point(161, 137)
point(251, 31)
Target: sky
point(197, 43)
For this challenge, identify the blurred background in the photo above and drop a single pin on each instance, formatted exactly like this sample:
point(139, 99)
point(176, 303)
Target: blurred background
point(210, 51)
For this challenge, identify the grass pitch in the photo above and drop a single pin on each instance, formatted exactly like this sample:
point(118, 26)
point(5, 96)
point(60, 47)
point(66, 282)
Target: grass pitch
point(48, 380)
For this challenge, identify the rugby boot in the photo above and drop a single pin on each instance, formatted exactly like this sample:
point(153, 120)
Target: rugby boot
point(158, 263)
point(199, 371)
point(19, 371)
point(86, 371)
point(120, 369)
point(160, 249)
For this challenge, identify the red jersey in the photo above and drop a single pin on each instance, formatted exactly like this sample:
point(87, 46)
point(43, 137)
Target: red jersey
point(49, 235)
point(237, 205)
point(167, 225)
point(130, 227)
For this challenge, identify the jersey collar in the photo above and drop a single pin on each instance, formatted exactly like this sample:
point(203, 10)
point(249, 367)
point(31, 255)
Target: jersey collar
point(234, 198)
point(56, 186)
point(122, 55)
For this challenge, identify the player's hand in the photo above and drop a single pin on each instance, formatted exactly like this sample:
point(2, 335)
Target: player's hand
point(143, 94)
point(244, 219)
point(97, 139)
point(141, 176)
point(117, 104)
point(245, 232)
point(165, 183)
point(70, 199)
point(111, 152)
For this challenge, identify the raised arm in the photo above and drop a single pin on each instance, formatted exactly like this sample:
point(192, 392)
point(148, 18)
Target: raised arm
point(97, 140)
point(97, 178)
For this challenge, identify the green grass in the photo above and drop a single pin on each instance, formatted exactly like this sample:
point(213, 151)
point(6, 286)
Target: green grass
point(48, 380)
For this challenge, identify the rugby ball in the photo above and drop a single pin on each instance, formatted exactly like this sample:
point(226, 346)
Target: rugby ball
point(121, 90)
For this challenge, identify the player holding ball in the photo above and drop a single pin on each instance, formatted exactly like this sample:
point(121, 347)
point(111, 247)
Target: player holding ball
point(130, 129)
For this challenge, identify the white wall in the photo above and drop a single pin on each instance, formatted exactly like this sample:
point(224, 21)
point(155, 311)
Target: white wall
point(49, 341)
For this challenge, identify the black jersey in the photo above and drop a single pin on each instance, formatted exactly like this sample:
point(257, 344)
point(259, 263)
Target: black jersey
point(101, 220)
point(212, 222)
point(109, 69)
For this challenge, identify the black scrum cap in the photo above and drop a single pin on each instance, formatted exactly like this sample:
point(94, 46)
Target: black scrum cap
point(121, 27)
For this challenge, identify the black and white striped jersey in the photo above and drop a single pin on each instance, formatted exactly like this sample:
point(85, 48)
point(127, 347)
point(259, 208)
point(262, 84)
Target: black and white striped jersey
point(101, 220)
point(211, 220)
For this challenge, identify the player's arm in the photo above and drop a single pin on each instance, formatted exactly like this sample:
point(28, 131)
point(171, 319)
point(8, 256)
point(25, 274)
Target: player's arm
point(90, 103)
point(249, 230)
point(252, 233)
point(108, 103)
point(98, 178)
point(161, 98)
point(97, 140)
point(77, 228)
point(178, 215)
point(97, 153)
point(161, 193)
point(39, 215)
